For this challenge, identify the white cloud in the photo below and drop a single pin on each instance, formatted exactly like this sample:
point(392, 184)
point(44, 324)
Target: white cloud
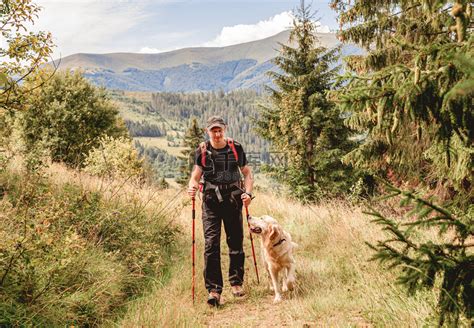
point(148, 50)
point(87, 25)
point(245, 33)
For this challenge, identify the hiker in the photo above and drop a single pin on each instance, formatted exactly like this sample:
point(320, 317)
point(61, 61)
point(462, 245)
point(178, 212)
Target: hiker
point(220, 161)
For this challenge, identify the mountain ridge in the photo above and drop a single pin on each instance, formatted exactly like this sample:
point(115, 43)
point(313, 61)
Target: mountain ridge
point(186, 70)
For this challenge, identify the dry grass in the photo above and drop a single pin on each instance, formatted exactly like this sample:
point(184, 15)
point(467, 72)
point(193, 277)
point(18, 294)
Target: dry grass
point(148, 198)
point(337, 285)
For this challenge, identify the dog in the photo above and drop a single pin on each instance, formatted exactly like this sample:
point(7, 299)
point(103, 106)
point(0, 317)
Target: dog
point(277, 253)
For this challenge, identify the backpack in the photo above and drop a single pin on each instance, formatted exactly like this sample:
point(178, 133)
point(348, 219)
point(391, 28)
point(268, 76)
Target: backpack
point(203, 147)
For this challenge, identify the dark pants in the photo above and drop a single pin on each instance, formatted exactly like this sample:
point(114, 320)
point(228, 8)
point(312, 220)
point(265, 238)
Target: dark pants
point(214, 212)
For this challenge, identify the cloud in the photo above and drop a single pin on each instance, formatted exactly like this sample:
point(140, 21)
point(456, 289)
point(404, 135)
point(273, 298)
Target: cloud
point(241, 33)
point(148, 50)
point(87, 25)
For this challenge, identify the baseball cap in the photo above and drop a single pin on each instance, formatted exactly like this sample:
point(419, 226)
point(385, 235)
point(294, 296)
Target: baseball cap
point(215, 121)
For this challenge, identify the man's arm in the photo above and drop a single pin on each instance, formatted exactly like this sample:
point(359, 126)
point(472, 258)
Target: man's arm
point(248, 183)
point(194, 181)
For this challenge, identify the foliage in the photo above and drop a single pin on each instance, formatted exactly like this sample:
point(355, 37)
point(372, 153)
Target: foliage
point(424, 262)
point(115, 158)
point(67, 116)
point(301, 121)
point(161, 162)
point(411, 94)
point(21, 51)
point(143, 129)
point(238, 108)
point(192, 138)
point(410, 97)
point(71, 257)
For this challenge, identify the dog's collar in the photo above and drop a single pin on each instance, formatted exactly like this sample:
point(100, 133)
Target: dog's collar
point(279, 243)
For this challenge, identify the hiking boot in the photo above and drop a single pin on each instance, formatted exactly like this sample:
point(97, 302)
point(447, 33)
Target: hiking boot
point(213, 299)
point(238, 291)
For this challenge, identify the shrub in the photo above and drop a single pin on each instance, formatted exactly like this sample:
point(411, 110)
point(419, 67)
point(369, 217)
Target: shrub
point(70, 257)
point(67, 116)
point(115, 158)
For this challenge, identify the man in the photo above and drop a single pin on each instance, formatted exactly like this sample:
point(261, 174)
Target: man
point(220, 161)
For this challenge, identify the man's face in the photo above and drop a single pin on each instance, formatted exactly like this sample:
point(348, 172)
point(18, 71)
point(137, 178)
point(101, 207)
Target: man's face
point(216, 134)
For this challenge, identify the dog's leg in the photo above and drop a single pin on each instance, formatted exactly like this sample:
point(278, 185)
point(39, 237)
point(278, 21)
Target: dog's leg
point(276, 286)
point(290, 280)
point(285, 280)
point(270, 281)
point(267, 268)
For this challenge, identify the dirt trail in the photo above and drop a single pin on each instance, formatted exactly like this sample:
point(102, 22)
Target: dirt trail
point(251, 312)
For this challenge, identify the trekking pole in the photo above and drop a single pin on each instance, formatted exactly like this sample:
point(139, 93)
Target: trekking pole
point(251, 242)
point(194, 246)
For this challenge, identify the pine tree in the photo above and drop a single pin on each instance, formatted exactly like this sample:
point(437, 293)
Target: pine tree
point(411, 95)
point(300, 121)
point(192, 138)
point(404, 94)
point(423, 262)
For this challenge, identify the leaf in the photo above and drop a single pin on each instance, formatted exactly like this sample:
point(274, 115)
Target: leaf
point(3, 80)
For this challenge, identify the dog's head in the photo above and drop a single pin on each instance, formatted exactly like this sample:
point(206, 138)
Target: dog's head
point(266, 226)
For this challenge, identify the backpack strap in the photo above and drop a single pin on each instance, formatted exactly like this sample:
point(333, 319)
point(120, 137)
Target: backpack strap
point(203, 147)
point(231, 144)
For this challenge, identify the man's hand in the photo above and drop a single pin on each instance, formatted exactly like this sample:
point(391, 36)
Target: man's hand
point(246, 199)
point(192, 190)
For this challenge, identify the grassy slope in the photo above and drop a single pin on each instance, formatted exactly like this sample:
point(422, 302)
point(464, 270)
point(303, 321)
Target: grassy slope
point(132, 107)
point(337, 286)
point(83, 258)
point(161, 143)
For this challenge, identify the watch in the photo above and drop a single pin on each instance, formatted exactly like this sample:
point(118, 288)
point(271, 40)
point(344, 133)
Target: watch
point(250, 194)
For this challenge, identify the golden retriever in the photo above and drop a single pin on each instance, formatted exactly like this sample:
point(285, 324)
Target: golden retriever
point(277, 253)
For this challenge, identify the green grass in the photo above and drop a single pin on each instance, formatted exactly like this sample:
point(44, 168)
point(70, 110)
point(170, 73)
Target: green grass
point(161, 143)
point(73, 252)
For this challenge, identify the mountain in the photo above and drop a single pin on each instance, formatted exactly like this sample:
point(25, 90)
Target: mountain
point(191, 69)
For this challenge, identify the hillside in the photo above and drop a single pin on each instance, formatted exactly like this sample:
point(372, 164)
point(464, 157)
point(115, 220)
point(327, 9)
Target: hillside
point(190, 69)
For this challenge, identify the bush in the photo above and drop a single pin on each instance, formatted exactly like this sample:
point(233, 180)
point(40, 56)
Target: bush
point(67, 116)
point(68, 257)
point(115, 158)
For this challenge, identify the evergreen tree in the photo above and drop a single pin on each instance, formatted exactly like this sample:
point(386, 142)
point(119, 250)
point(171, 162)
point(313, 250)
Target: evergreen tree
point(301, 121)
point(405, 93)
point(192, 138)
point(411, 96)
point(423, 261)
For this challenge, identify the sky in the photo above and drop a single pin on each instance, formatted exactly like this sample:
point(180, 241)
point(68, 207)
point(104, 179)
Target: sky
point(146, 26)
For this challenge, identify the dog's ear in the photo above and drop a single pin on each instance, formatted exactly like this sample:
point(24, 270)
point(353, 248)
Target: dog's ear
point(274, 232)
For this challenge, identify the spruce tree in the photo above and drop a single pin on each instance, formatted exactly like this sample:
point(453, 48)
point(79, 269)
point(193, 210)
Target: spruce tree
point(445, 265)
point(405, 94)
point(192, 138)
point(410, 95)
point(300, 121)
